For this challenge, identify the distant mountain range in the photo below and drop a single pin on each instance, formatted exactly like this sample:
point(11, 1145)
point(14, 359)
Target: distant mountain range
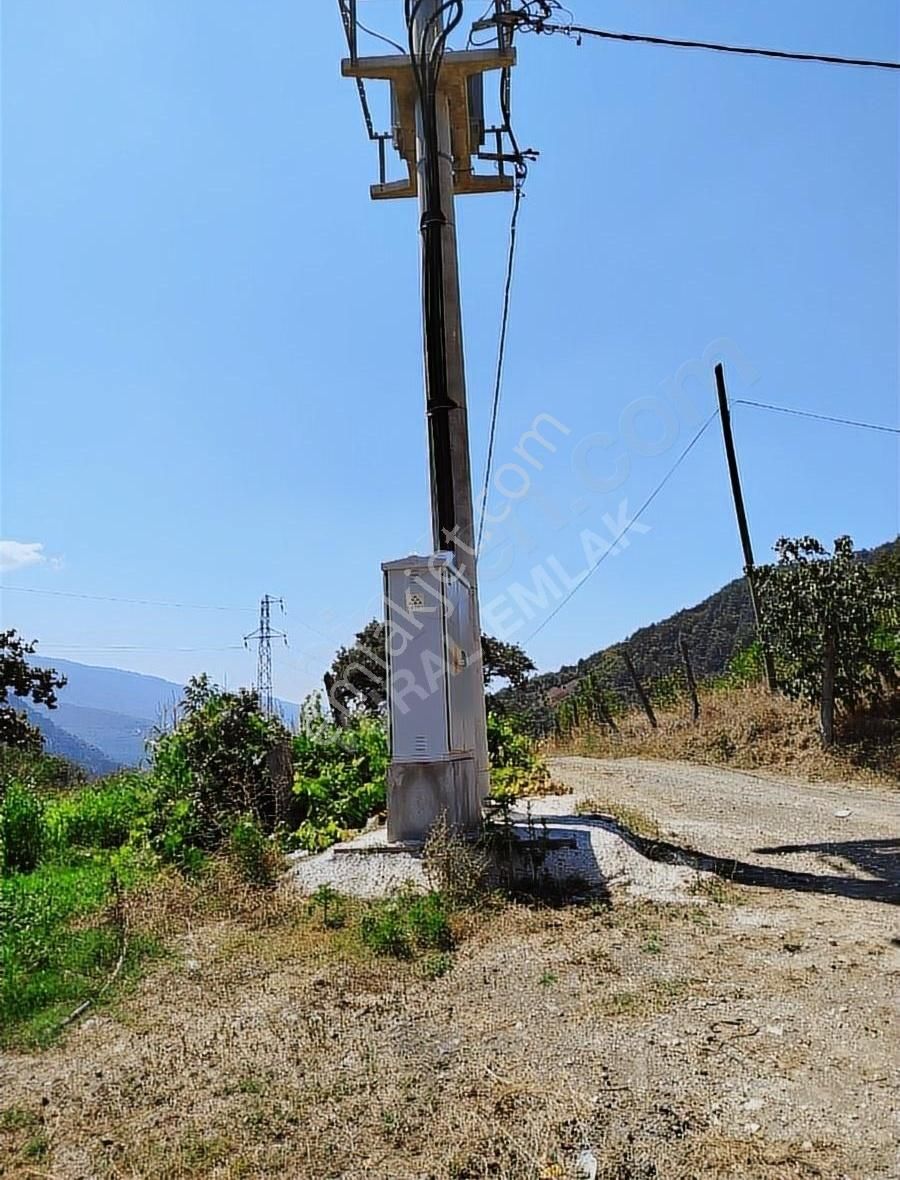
point(105, 715)
point(67, 745)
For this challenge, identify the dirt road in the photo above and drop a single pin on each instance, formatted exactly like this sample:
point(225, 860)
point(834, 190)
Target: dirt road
point(826, 838)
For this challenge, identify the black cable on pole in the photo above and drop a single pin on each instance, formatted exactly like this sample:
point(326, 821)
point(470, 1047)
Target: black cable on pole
point(360, 84)
point(380, 36)
point(819, 417)
point(501, 353)
point(643, 508)
point(538, 25)
point(426, 59)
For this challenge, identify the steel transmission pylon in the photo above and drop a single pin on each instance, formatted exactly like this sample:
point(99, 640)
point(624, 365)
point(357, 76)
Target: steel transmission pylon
point(264, 634)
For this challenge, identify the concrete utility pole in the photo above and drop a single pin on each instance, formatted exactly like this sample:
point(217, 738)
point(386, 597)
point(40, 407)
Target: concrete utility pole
point(438, 127)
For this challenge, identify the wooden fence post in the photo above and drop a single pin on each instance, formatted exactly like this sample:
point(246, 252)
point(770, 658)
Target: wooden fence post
point(826, 709)
point(280, 765)
point(689, 674)
point(639, 688)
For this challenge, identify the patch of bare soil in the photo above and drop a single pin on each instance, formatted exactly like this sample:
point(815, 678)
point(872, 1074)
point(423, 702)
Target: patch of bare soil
point(750, 1035)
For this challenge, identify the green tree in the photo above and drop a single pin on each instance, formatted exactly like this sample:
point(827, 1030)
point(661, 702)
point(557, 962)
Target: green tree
point(23, 680)
point(809, 595)
point(358, 674)
point(505, 661)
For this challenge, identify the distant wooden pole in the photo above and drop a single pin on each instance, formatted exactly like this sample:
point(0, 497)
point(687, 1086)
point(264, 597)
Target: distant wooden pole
point(607, 716)
point(602, 712)
point(639, 688)
point(826, 710)
point(743, 527)
point(689, 674)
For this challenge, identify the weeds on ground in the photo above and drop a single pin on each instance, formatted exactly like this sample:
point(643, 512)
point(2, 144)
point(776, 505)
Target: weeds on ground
point(655, 996)
point(635, 821)
point(716, 889)
point(60, 938)
point(255, 855)
point(455, 866)
point(406, 923)
point(330, 905)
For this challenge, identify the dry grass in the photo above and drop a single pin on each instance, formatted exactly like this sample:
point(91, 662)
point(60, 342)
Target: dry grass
point(270, 1045)
point(631, 818)
point(747, 729)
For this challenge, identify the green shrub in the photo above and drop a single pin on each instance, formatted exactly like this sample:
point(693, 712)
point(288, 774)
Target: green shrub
point(105, 815)
point(332, 906)
point(210, 769)
point(516, 767)
point(21, 829)
point(405, 923)
point(746, 666)
point(253, 854)
point(340, 776)
point(46, 772)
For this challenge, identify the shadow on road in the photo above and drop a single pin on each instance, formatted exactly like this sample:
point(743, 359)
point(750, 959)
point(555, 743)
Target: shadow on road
point(880, 858)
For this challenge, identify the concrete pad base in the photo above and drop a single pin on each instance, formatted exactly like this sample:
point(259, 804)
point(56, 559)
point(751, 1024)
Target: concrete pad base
point(420, 793)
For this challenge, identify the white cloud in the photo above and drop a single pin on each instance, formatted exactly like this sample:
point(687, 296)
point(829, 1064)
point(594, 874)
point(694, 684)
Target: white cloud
point(18, 555)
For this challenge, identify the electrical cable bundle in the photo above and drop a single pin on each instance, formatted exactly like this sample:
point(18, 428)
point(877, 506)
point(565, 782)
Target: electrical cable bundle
point(427, 57)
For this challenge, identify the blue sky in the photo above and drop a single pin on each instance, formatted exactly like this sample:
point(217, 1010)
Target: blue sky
point(211, 336)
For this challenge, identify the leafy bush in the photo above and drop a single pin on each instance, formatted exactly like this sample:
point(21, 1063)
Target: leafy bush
point(339, 775)
point(405, 923)
point(47, 772)
point(105, 815)
point(211, 768)
point(253, 853)
point(516, 768)
point(331, 905)
point(24, 680)
point(21, 829)
point(746, 666)
point(666, 691)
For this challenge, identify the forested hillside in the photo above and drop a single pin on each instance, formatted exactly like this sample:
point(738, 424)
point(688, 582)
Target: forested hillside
point(716, 630)
point(67, 745)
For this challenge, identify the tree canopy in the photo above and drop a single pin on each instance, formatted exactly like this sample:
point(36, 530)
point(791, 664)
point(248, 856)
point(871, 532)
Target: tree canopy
point(358, 674)
point(811, 598)
point(21, 679)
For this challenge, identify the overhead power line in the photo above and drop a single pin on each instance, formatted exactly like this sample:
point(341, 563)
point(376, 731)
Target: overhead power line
point(819, 417)
point(501, 353)
point(538, 25)
point(110, 598)
point(129, 647)
point(631, 523)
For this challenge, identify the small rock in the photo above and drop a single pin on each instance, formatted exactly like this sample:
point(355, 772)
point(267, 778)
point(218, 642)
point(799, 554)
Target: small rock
point(842, 813)
point(586, 1166)
point(751, 1128)
point(774, 1030)
point(753, 1104)
point(806, 1145)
